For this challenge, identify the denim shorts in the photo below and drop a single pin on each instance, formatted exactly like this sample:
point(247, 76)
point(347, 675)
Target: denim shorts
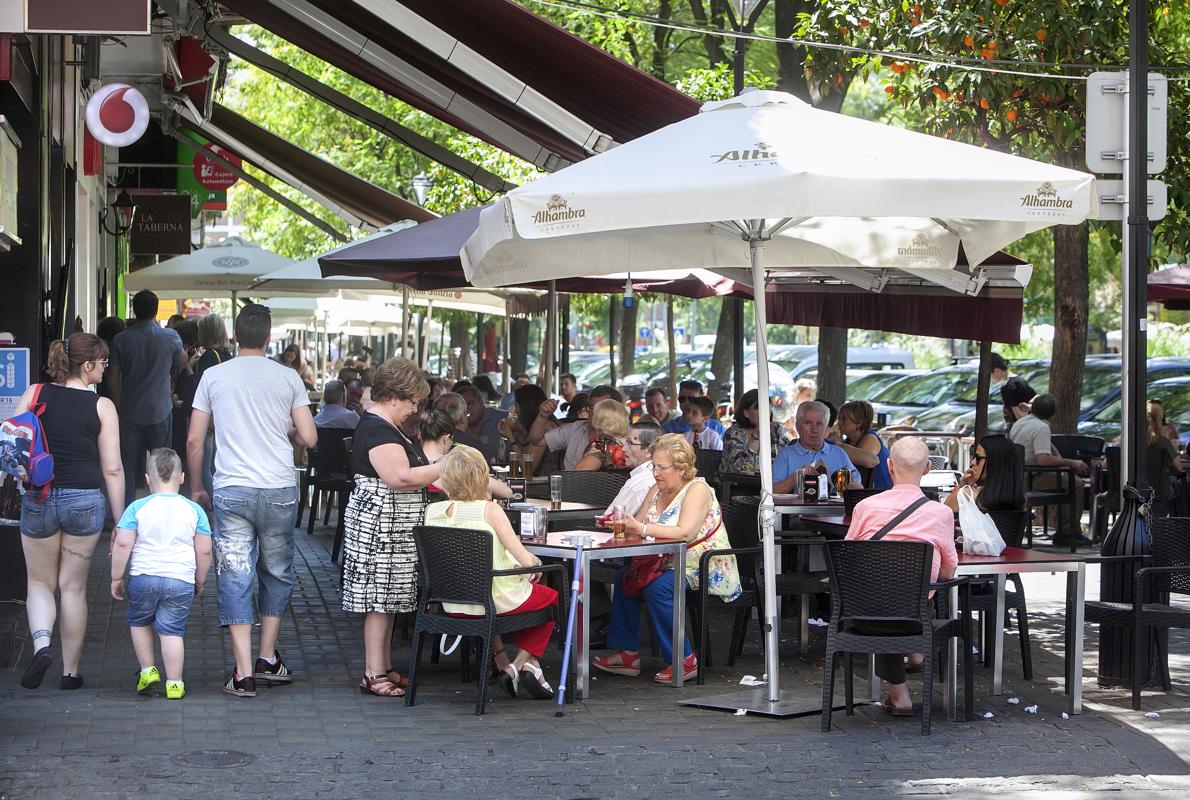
point(78, 512)
point(162, 602)
point(254, 544)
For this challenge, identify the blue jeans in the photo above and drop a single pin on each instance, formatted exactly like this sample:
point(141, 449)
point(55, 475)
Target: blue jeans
point(77, 512)
point(136, 440)
point(658, 598)
point(163, 603)
point(254, 540)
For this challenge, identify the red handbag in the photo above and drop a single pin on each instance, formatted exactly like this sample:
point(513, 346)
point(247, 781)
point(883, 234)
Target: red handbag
point(643, 570)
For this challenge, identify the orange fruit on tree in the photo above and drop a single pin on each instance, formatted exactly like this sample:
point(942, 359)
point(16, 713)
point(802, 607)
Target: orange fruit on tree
point(1001, 2)
point(970, 42)
point(1042, 35)
point(983, 103)
point(1010, 115)
point(889, 89)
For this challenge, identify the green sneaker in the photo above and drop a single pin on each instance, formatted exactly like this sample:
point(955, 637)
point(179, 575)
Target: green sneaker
point(175, 690)
point(148, 680)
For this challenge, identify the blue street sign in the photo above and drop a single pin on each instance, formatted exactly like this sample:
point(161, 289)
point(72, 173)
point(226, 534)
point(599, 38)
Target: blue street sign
point(645, 333)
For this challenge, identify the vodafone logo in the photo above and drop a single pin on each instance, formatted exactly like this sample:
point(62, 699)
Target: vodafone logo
point(117, 114)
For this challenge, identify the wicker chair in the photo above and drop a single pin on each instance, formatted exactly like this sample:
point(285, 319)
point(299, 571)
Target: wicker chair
point(1077, 445)
point(707, 464)
point(851, 498)
point(597, 487)
point(1167, 573)
point(455, 566)
point(330, 474)
point(889, 582)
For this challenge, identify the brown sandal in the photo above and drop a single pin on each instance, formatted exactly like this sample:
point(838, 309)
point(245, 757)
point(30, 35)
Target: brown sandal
point(397, 678)
point(380, 686)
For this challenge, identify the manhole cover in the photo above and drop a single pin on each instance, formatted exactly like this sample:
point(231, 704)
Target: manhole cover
point(214, 759)
point(122, 694)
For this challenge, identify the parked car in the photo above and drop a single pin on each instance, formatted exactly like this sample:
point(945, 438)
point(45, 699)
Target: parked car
point(868, 358)
point(1174, 394)
point(867, 384)
point(902, 402)
point(1102, 380)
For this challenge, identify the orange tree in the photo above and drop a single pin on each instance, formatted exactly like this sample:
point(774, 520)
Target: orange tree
point(977, 95)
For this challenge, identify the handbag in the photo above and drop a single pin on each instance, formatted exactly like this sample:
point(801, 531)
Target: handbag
point(643, 570)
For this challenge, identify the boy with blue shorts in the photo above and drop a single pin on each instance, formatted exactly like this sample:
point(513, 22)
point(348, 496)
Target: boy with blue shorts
point(169, 541)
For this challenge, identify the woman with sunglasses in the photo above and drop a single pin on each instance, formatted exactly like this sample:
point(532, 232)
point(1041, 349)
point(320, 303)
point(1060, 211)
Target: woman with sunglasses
point(996, 475)
point(60, 528)
point(741, 443)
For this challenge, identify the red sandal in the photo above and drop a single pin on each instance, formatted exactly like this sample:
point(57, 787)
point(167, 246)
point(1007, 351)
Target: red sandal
point(689, 671)
point(380, 686)
point(629, 663)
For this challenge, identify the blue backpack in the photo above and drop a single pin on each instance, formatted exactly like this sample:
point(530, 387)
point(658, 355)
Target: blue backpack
point(24, 453)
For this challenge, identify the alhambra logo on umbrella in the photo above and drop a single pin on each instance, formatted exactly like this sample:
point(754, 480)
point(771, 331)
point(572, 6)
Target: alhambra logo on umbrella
point(921, 247)
point(1044, 201)
point(756, 155)
point(557, 212)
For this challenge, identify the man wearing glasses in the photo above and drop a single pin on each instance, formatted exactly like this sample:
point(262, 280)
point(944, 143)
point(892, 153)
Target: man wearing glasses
point(641, 436)
point(260, 409)
point(687, 391)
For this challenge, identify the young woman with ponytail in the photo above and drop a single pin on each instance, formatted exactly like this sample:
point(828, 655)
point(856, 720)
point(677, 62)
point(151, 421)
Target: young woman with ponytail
point(59, 534)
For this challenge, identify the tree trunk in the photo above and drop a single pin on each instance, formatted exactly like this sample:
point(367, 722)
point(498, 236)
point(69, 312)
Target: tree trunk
point(832, 365)
point(460, 343)
point(722, 355)
point(628, 340)
point(1071, 290)
point(518, 345)
point(791, 59)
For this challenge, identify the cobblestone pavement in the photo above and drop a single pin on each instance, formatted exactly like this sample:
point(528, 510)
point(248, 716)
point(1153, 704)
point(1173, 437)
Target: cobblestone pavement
point(321, 738)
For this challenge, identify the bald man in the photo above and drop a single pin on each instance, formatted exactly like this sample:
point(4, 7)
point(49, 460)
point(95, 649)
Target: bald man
point(931, 522)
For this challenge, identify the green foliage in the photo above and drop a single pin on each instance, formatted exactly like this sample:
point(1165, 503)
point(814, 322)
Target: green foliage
point(718, 82)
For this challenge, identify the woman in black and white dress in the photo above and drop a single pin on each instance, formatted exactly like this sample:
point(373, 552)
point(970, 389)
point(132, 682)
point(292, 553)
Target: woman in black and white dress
point(380, 559)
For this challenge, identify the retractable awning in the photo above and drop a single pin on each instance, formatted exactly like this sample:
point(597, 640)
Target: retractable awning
point(492, 69)
point(357, 201)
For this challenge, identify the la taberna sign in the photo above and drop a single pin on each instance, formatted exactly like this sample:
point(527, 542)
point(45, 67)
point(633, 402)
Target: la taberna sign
point(117, 114)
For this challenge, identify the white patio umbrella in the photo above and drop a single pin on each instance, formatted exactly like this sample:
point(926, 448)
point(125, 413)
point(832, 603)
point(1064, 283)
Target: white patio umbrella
point(852, 199)
point(230, 267)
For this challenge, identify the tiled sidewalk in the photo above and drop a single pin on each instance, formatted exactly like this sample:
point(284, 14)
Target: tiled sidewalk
point(321, 738)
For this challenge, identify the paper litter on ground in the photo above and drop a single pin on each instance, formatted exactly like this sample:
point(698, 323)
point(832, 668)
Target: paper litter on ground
point(1031, 709)
point(741, 712)
point(1152, 714)
point(988, 715)
point(818, 622)
point(1012, 701)
point(1065, 715)
point(751, 680)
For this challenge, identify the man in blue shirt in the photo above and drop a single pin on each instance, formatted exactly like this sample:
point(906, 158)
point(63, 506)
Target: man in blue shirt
point(810, 448)
point(333, 413)
point(143, 360)
point(687, 390)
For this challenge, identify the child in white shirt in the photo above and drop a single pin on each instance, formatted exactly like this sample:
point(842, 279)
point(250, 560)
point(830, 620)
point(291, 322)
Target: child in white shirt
point(169, 541)
point(698, 411)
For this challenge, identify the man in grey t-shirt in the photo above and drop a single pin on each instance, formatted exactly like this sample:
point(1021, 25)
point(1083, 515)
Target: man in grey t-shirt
point(1032, 432)
point(143, 359)
point(260, 409)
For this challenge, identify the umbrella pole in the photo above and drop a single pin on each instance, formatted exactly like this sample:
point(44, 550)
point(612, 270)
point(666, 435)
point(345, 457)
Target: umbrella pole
point(234, 309)
point(767, 512)
point(404, 321)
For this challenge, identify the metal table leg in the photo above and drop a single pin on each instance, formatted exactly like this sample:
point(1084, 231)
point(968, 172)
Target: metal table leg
point(679, 618)
point(950, 695)
point(583, 662)
point(998, 637)
point(873, 679)
point(1075, 624)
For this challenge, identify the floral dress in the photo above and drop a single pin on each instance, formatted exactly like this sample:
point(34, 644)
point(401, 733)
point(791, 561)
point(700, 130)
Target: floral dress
point(741, 449)
point(723, 576)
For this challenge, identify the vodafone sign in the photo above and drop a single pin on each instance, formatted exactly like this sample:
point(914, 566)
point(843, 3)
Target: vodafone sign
point(212, 175)
point(117, 115)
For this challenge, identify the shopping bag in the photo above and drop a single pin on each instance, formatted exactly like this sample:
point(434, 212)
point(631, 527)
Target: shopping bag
point(981, 537)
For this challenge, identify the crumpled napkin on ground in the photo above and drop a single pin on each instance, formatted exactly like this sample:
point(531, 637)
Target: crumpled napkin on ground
point(751, 680)
point(818, 622)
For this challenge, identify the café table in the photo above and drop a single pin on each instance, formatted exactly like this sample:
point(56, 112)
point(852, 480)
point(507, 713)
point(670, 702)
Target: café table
point(601, 545)
point(1012, 560)
point(569, 512)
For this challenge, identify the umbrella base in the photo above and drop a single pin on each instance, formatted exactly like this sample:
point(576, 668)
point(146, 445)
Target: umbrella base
point(756, 701)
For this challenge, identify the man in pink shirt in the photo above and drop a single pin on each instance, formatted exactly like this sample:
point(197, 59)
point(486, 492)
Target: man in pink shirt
point(932, 522)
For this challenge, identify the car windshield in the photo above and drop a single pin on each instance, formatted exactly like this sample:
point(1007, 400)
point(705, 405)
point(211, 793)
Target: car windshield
point(1175, 398)
point(926, 390)
point(866, 386)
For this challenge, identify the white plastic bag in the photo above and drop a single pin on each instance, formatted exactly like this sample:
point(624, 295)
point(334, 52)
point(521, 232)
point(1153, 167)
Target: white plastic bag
point(981, 537)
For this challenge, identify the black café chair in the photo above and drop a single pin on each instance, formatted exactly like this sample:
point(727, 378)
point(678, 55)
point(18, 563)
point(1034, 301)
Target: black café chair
point(1012, 526)
point(455, 566)
point(851, 498)
point(889, 583)
point(1166, 573)
point(330, 476)
point(598, 487)
point(707, 463)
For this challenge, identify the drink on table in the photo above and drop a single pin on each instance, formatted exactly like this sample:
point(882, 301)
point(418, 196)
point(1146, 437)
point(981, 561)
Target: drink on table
point(556, 492)
point(618, 523)
point(527, 466)
point(514, 466)
point(842, 479)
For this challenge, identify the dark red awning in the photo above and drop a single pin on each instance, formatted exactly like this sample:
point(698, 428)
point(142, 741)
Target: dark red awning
point(1171, 287)
point(366, 201)
point(942, 314)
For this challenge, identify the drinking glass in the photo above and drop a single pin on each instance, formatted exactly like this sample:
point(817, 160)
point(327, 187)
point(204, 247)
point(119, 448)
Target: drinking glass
point(556, 492)
point(527, 466)
point(618, 523)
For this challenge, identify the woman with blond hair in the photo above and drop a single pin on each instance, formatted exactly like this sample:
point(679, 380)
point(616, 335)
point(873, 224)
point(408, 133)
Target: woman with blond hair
point(680, 506)
point(609, 429)
point(391, 474)
point(60, 527)
point(464, 476)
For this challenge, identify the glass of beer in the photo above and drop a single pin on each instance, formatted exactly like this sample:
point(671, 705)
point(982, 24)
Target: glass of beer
point(618, 523)
point(842, 479)
point(556, 492)
point(527, 466)
point(514, 466)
